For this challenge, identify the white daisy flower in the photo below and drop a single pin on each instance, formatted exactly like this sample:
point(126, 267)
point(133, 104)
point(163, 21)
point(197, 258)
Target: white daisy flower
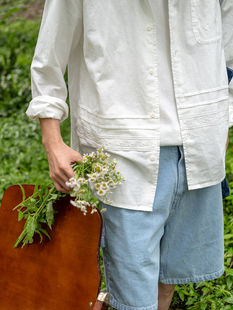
point(71, 185)
point(97, 168)
point(97, 186)
point(73, 203)
point(104, 186)
point(76, 188)
point(82, 181)
point(101, 192)
point(93, 176)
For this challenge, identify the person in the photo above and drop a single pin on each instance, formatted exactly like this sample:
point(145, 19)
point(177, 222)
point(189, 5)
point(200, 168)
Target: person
point(147, 79)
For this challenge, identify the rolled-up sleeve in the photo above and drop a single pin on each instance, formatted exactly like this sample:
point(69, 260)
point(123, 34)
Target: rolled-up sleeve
point(60, 32)
point(227, 24)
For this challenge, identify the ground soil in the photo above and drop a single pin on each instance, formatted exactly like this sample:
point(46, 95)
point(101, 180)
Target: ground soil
point(32, 11)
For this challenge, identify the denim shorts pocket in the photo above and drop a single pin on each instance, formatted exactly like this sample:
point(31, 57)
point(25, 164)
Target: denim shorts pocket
point(206, 21)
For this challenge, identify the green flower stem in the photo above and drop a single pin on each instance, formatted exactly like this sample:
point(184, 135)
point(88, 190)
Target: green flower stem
point(32, 196)
point(20, 238)
point(51, 191)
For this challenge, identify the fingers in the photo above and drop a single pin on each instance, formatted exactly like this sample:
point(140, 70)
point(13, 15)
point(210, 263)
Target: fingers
point(60, 188)
point(60, 174)
point(61, 157)
point(60, 167)
point(59, 180)
point(76, 156)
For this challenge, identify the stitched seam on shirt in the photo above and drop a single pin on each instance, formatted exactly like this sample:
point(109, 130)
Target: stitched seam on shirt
point(203, 103)
point(111, 116)
point(210, 113)
point(201, 122)
point(203, 91)
point(136, 143)
point(114, 137)
point(118, 127)
point(120, 145)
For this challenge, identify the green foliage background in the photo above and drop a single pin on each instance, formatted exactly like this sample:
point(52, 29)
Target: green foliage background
point(23, 159)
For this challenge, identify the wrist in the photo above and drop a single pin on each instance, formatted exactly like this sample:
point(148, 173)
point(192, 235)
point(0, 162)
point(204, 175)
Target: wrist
point(51, 134)
point(51, 141)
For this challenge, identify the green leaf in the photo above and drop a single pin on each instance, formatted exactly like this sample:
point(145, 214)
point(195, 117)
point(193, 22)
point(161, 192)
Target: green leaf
point(31, 227)
point(20, 215)
point(228, 236)
point(10, 12)
point(40, 194)
point(181, 295)
point(46, 192)
point(49, 214)
point(204, 306)
point(54, 196)
point(35, 190)
point(229, 300)
point(20, 238)
point(45, 232)
point(31, 241)
point(213, 305)
point(229, 282)
point(41, 237)
point(42, 220)
point(23, 192)
point(229, 271)
point(205, 290)
point(25, 241)
point(34, 209)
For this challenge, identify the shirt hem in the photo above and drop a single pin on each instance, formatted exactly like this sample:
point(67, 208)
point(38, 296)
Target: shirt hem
point(134, 208)
point(205, 184)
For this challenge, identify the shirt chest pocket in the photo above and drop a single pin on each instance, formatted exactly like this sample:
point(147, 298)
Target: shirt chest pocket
point(206, 21)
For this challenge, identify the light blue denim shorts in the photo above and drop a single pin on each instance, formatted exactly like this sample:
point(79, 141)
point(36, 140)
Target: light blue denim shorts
point(181, 241)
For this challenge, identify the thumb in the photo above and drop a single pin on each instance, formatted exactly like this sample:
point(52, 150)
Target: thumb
point(75, 156)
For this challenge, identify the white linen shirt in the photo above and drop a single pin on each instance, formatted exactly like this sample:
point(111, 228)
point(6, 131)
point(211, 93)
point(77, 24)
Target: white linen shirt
point(169, 123)
point(113, 85)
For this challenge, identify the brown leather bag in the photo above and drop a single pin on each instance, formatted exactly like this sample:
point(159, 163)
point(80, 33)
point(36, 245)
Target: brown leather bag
point(61, 274)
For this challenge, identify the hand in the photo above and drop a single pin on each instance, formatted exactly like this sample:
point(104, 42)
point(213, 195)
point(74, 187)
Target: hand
point(60, 155)
point(60, 158)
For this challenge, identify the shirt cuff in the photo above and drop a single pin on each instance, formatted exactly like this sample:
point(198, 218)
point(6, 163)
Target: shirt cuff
point(47, 107)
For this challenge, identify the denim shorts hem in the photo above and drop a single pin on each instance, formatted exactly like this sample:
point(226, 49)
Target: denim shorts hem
point(119, 306)
point(202, 278)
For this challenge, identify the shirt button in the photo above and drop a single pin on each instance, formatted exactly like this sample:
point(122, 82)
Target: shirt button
point(151, 71)
point(152, 115)
point(152, 158)
point(148, 28)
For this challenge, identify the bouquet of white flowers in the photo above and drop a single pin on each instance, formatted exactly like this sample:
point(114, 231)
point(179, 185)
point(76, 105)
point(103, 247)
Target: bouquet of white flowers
point(95, 173)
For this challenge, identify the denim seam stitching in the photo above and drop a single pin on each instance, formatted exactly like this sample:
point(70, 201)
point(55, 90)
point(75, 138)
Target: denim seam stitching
point(121, 306)
point(199, 278)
